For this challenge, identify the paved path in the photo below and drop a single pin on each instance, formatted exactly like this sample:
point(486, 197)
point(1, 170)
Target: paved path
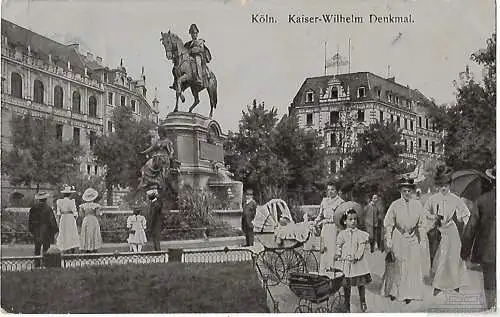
point(470, 299)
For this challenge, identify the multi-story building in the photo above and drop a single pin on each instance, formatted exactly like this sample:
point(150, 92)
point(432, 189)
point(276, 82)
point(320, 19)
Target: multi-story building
point(49, 79)
point(341, 106)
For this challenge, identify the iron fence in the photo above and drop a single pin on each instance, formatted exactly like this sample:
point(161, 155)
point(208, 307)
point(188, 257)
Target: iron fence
point(21, 263)
point(117, 258)
point(219, 255)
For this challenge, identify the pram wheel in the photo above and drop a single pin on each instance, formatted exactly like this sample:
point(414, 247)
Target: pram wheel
point(271, 266)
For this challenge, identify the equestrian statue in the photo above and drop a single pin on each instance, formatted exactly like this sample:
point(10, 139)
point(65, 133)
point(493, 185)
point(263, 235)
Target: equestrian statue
point(190, 67)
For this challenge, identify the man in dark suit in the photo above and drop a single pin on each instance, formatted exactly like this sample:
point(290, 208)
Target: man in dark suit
point(155, 218)
point(42, 224)
point(374, 222)
point(249, 208)
point(480, 234)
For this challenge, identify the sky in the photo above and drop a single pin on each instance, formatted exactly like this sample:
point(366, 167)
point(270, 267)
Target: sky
point(269, 61)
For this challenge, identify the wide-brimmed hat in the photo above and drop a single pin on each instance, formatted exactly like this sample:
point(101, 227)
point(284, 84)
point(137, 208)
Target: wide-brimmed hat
point(41, 195)
point(67, 190)
point(90, 194)
point(491, 173)
point(406, 182)
point(151, 191)
point(249, 191)
point(193, 28)
point(443, 175)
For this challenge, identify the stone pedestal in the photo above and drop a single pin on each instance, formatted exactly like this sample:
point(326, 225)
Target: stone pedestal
point(198, 143)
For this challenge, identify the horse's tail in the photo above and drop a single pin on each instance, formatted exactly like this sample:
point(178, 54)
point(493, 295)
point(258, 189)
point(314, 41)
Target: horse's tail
point(212, 91)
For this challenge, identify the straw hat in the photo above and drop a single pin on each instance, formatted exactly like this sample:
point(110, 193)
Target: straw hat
point(491, 173)
point(406, 182)
point(67, 190)
point(90, 194)
point(41, 195)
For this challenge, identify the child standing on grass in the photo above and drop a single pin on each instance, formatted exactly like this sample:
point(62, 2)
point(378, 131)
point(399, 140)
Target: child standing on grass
point(351, 246)
point(136, 225)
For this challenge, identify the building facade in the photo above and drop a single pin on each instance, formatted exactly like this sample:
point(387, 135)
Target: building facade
point(48, 79)
point(342, 106)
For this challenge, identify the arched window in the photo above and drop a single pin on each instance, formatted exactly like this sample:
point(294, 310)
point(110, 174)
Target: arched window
point(58, 97)
point(16, 85)
point(38, 91)
point(92, 106)
point(76, 102)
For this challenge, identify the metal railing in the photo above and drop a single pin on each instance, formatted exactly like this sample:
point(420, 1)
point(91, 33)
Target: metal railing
point(217, 255)
point(117, 258)
point(20, 263)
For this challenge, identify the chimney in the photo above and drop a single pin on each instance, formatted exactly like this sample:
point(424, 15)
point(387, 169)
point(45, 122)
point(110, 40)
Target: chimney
point(90, 56)
point(98, 59)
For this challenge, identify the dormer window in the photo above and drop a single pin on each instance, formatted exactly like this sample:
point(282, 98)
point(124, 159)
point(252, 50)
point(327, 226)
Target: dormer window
point(389, 97)
point(379, 92)
point(335, 93)
point(309, 96)
point(361, 92)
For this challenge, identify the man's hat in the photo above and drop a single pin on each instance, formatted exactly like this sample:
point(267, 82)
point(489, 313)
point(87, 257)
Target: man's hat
point(406, 182)
point(491, 173)
point(90, 194)
point(152, 191)
point(67, 190)
point(443, 175)
point(193, 28)
point(41, 195)
point(249, 191)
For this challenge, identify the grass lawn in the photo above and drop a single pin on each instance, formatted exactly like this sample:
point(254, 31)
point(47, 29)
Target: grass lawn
point(153, 288)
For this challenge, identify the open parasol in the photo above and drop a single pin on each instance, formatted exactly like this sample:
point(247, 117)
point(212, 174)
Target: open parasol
point(469, 184)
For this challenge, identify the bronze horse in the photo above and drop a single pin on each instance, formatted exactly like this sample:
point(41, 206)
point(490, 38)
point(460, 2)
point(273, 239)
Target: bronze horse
point(183, 72)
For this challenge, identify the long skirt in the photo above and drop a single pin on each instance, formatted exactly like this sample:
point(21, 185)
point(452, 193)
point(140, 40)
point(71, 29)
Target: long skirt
point(329, 241)
point(403, 279)
point(68, 233)
point(448, 269)
point(425, 258)
point(91, 234)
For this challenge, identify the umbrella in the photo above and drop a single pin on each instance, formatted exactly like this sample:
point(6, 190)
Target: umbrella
point(469, 184)
point(342, 208)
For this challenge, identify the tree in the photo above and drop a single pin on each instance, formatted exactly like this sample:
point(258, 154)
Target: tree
point(119, 150)
point(250, 154)
point(304, 155)
point(37, 156)
point(470, 125)
point(375, 167)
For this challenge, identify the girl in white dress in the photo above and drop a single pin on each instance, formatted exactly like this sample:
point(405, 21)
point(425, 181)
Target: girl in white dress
point(66, 213)
point(352, 244)
point(136, 225)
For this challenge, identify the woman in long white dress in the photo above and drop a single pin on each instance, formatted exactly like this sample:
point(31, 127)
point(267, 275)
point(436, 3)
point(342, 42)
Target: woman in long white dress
point(66, 212)
point(329, 229)
point(448, 269)
point(91, 239)
point(404, 225)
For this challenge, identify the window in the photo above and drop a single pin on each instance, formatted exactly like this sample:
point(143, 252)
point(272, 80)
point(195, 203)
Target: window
point(411, 125)
point(93, 107)
point(341, 164)
point(76, 136)
point(105, 77)
point(340, 140)
point(92, 138)
point(334, 116)
point(361, 115)
point(122, 101)
point(58, 97)
point(123, 81)
point(110, 126)
point(309, 119)
point(309, 96)
point(95, 170)
point(433, 147)
point(419, 143)
point(88, 169)
point(333, 166)
point(419, 122)
point(16, 85)
point(406, 145)
point(379, 92)
point(132, 104)
point(426, 145)
point(389, 97)
point(361, 92)
point(406, 123)
point(38, 91)
point(398, 122)
point(76, 102)
point(335, 93)
point(392, 118)
point(411, 146)
point(59, 132)
point(381, 116)
point(427, 123)
point(333, 139)
point(110, 98)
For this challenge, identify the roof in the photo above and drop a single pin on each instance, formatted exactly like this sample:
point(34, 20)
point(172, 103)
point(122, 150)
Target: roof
point(352, 81)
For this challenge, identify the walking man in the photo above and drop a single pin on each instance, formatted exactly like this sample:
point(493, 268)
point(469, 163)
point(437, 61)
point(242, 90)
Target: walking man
point(374, 218)
point(155, 218)
point(42, 224)
point(249, 209)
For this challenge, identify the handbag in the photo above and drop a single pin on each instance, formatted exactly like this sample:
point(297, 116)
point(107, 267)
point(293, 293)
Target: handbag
point(390, 257)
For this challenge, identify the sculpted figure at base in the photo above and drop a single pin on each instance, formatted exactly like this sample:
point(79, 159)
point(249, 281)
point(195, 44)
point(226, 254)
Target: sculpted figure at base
point(190, 67)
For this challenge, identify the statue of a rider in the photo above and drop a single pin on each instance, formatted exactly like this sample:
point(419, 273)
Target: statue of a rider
point(201, 56)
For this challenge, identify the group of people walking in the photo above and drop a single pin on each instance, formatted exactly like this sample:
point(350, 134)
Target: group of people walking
point(45, 224)
point(421, 239)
